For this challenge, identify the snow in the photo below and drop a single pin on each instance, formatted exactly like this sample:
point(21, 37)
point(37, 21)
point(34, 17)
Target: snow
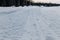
point(30, 23)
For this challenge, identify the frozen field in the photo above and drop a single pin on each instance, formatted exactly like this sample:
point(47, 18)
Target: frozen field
point(30, 23)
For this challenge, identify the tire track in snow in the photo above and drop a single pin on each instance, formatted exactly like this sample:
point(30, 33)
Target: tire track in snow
point(45, 28)
point(38, 30)
point(38, 26)
point(31, 28)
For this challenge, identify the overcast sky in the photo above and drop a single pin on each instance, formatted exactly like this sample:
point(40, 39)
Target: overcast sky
point(51, 1)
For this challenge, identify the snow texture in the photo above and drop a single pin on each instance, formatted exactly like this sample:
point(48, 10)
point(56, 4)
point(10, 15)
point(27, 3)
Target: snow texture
point(30, 23)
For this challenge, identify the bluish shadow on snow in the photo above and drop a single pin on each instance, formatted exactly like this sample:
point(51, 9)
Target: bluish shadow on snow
point(49, 38)
point(4, 13)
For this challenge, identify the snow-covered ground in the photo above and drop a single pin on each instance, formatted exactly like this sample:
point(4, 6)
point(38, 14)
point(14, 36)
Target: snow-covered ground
point(30, 23)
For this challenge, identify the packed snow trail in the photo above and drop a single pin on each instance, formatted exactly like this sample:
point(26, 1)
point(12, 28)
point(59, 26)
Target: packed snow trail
point(30, 23)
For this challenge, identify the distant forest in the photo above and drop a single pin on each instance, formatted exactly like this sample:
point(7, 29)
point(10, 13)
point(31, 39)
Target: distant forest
point(6, 3)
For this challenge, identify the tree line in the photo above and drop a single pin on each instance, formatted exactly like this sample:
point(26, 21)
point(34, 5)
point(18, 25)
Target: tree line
point(12, 2)
point(24, 3)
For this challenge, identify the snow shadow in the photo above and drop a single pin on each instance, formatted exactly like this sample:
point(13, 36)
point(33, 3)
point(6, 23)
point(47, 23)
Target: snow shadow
point(49, 38)
point(10, 12)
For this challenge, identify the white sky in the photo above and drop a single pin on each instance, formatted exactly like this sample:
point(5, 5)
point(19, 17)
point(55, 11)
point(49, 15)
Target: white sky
point(53, 1)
